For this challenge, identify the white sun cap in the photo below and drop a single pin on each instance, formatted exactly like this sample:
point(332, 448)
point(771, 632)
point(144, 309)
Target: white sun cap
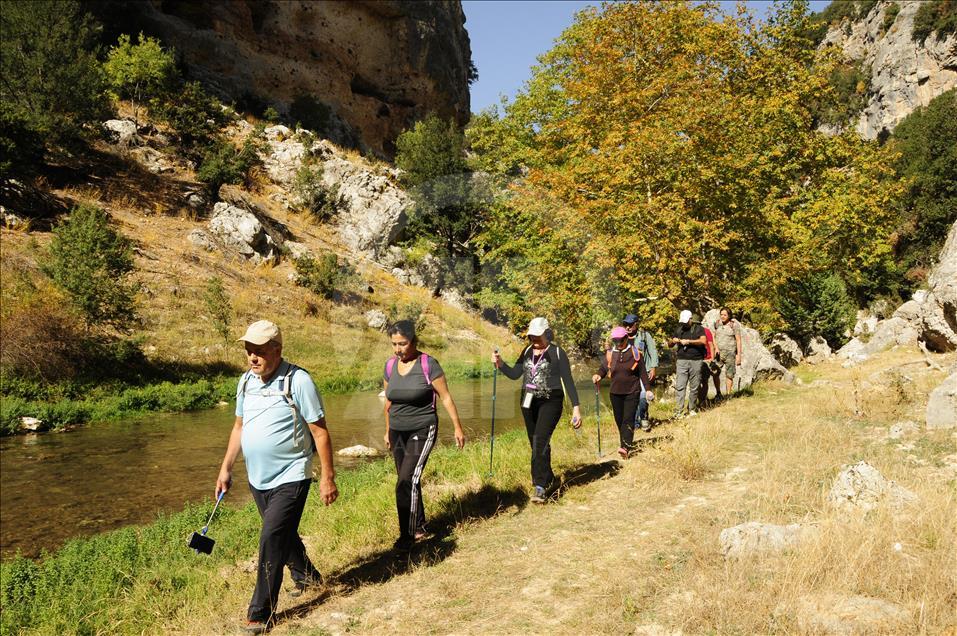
point(537, 327)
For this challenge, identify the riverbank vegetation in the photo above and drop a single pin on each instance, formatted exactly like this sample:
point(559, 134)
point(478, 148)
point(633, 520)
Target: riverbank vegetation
point(646, 529)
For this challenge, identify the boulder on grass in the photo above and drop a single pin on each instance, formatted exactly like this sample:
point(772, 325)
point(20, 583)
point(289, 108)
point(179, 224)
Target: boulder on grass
point(861, 487)
point(942, 404)
point(754, 538)
point(785, 350)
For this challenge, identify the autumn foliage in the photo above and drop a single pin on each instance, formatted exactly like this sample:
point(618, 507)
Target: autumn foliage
point(669, 152)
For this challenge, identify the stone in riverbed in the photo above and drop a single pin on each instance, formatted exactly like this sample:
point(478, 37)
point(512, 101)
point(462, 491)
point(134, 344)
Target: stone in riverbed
point(358, 451)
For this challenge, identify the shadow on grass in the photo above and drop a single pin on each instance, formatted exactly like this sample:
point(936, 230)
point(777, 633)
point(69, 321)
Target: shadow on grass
point(382, 566)
point(584, 474)
point(484, 503)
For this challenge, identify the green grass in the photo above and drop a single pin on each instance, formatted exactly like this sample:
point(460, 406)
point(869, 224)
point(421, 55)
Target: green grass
point(138, 579)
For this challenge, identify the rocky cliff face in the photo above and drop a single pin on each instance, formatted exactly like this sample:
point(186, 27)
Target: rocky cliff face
point(377, 65)
point(904, 74)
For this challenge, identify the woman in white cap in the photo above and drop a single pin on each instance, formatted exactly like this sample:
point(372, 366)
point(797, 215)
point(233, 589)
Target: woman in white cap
point(544, 369)
point(625, 367)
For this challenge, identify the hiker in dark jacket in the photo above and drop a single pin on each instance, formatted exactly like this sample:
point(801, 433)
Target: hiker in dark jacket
point(691, 343)
point(413, 382)
point(624, 365)
point(544, 369)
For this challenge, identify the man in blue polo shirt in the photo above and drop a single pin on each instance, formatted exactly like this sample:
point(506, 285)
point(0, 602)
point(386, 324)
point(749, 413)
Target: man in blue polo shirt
point(280, 424)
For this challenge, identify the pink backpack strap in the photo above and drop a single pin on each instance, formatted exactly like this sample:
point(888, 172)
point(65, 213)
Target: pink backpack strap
point(424, 360)
point(390, 366)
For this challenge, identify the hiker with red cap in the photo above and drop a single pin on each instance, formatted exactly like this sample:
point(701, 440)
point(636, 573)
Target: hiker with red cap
point(625, 367)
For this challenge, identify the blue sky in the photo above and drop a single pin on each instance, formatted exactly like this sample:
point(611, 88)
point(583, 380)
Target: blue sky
point(508, 35)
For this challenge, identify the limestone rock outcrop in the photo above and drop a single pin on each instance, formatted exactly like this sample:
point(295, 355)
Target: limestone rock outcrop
point(372, 66)
point(845, 615)
point(938, 313)
point(755, 538)
point(817, 350)
point(862, 487)
point(904, 74)
point(929, 317)
point(785, 350)
point(942, 404)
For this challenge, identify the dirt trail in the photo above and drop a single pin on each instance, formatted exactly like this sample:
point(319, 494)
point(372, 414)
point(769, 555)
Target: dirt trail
point(559, 568)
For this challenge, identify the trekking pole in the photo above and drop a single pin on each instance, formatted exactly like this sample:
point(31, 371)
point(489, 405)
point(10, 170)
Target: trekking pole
point(491, 450)
point(598, 419)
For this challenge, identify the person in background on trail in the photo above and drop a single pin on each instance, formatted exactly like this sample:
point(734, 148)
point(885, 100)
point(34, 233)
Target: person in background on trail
point(624, 365)
point(690, 340)
point(280, 424)
point(709, 369)
point(413, 382)
point(544, 369)
point(646, 345)
point(727, 336)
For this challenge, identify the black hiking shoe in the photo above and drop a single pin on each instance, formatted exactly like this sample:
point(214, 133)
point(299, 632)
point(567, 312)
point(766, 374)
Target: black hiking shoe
point(301, 587)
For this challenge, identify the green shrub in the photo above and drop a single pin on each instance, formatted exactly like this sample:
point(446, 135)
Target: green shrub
point(890, 15)
point(850, 83)
point(51, 84)
point(927, 141)
point(21, 146)
point(314, 196)
point(271, 115)
point(219, 308)
point(310, 113)
point(91, 262)
point(223, 163)
point(817, 306)
point(412, 311)
point(324, 276)
point(939, 16)
point(193, 114)
point(140, 71)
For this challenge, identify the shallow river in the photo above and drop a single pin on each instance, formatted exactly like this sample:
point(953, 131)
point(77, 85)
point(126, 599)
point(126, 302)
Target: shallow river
point(103, 476)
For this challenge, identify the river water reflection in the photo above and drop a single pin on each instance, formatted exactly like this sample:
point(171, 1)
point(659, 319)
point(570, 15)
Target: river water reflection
point(98, 477)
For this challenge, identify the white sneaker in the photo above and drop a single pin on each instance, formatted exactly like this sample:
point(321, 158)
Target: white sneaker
point(692, 413)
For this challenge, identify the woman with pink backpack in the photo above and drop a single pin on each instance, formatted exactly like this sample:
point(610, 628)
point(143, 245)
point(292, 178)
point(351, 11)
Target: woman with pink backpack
point(625, 367)
point(414, 381)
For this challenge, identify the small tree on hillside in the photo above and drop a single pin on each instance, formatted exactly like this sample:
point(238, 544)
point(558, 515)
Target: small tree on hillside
point(448, 204)
point(91, 262)
point(51, 83)
point(818, 305)
point(139, 71)
point(219, 307)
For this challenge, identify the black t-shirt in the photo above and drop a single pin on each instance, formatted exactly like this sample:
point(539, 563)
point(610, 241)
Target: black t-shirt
point(413, 400)
point(690, 351)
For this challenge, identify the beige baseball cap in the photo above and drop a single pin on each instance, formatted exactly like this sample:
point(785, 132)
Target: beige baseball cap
point(261, 332)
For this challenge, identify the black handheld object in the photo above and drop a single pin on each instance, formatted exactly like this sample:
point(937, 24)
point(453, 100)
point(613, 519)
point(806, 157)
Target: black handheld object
point(201, 543)
point(198, 541)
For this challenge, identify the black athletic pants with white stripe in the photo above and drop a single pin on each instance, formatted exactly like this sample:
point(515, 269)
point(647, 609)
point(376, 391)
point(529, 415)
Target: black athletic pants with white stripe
point(410, 450)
